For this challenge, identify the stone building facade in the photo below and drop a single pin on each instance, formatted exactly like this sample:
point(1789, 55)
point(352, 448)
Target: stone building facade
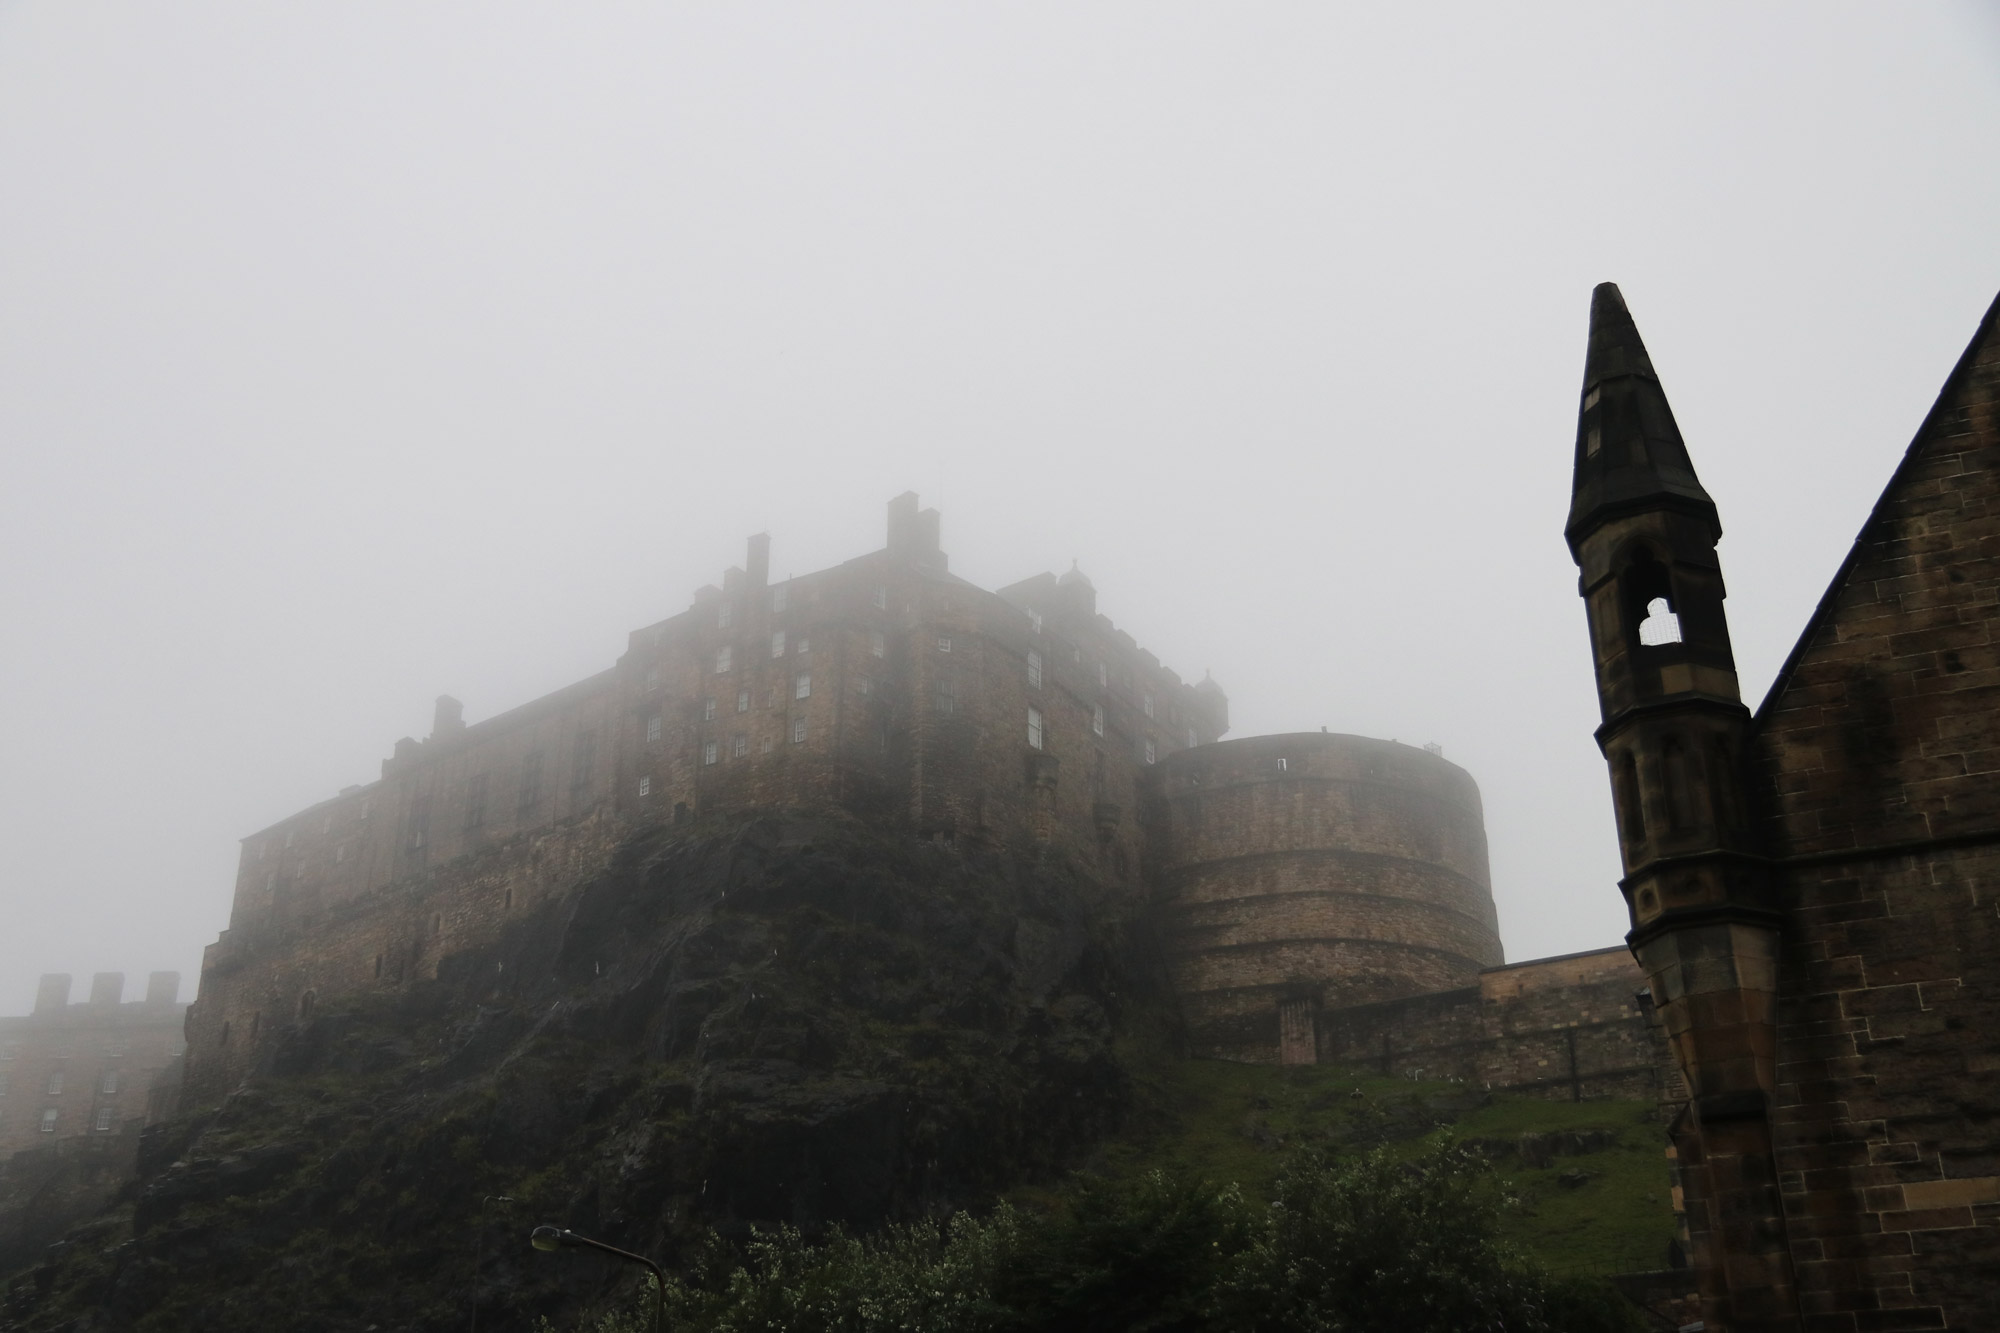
point(1811, 887)
point(90, 1069)
point(885, 686)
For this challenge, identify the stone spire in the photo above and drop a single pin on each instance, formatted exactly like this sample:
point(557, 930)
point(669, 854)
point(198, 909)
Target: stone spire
point(1629, 454)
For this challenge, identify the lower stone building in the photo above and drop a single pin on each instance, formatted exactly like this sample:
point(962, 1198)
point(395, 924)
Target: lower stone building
point(90, 1069)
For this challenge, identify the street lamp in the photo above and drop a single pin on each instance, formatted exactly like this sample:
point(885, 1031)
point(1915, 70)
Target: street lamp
point(560, 1238)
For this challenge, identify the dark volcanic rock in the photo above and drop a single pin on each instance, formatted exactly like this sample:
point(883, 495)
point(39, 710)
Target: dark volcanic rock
point(784, 1019)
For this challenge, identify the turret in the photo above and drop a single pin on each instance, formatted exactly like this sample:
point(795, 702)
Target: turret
point(1643, 533)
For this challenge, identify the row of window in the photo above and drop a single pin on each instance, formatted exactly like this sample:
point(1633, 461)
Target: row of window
point(52, 1086)
point(105, 1121)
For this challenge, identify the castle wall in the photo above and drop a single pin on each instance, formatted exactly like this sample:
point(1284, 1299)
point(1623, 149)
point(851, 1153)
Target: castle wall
point(255, 986)
point(1321, 871)
point(1571, 1029)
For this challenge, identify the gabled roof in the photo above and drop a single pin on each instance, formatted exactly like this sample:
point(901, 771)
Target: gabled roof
point(1988, 326)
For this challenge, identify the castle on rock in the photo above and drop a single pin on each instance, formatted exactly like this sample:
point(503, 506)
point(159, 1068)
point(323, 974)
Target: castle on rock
point(1309, 885)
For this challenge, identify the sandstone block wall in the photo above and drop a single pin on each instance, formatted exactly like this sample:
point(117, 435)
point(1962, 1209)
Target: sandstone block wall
point(1318, 870)
point(1572, 1029)
point(1879, 755)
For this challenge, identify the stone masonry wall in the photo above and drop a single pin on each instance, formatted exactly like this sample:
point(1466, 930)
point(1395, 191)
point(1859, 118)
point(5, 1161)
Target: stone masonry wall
point(1880, 767)
point(1321, 870)
point(1572, 1028)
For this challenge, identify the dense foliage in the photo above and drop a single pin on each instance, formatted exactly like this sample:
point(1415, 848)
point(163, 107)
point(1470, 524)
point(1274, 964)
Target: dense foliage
point(1368, 1243)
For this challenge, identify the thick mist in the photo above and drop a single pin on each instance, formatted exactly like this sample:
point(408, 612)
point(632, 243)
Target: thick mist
point(351, 355)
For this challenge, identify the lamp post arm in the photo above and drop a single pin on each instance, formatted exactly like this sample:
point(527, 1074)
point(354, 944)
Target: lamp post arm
point(571, 1240)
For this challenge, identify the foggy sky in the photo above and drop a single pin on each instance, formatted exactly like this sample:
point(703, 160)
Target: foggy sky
point(351, 354)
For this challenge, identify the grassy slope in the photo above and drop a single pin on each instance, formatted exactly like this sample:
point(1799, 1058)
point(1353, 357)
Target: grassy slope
point(1224, 1121)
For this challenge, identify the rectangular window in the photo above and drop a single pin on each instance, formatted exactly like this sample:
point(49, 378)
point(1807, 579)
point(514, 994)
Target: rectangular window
point(1103, 677)
point(652, 679)
point(104, 1114)
point(944, 694)
point(420, 825)
point(764, 746)
point(1034, 671)
point(944, 643)
point(742, 701)
point(1147, 701)
point(646, 785)
point(475, 807)
point(798, 730)
point(875, 644)
point(49, 1120)
point(863, 686)
point(724, 614)
point(653, 727)
point(108, 1085)
point(55, 1083)
point(805, 644)
point(708, 752)
point(802, 688)
point(722, 661)
point(881, 599)
point(739, 745)
point(1190, 738)
point(708, 710)
point(340, 853)
point(1152, 751)
point(777, 643)
point(1035, 621)
point(778, 597)
point(1035, 728)
point(1097, 718)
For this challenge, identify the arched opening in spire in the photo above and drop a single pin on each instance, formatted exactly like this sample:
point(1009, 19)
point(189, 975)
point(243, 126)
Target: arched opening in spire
point(1647, 590)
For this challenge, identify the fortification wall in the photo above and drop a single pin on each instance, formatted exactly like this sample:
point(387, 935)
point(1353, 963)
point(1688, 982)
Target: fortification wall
point(1571, 1028)
point(1306, 872)
point(253, 987)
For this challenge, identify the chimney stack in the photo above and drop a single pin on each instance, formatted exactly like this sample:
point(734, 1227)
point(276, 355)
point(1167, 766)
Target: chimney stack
point(107, 989)
point(52, 996)
point(758, 563)
point(163, 988)
point(449, 719)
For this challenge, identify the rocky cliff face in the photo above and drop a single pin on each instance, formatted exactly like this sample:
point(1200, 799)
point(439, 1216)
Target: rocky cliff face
point(784, 1019)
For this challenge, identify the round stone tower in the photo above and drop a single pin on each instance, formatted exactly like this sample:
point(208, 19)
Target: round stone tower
point(1313, 871)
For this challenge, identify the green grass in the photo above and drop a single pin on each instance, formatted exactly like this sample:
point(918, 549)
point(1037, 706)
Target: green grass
point(1221, 1121)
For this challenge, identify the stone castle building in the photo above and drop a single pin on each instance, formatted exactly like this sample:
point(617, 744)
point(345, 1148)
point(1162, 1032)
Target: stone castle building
point(1299, 876)
point(1812, 887)
point(94, 1068)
